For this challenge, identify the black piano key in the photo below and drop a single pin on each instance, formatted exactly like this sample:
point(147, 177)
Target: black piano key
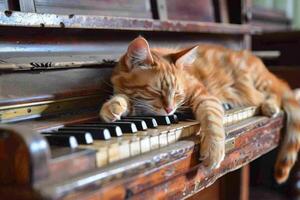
point(97, 133)
point(82, 137)
point(162, 120)
point(184, 116)
point(173, 119)
point(62, 140)
point(126, 127)
point(150, 121)
point(115, 131)
point(140, 124)
point(226, 106)
point(181, 117)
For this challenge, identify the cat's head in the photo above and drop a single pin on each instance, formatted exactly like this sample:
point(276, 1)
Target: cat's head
point(153, 79)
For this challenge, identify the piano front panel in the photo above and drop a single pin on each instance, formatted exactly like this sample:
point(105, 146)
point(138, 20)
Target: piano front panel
point(139, 175)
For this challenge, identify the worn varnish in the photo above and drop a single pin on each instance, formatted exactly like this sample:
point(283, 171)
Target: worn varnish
point(100, 22)
point(181, 177)
point(175, 174)
point(124, 8)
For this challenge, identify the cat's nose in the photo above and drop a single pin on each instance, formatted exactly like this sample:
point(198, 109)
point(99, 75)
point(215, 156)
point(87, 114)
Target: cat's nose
point(168, 110)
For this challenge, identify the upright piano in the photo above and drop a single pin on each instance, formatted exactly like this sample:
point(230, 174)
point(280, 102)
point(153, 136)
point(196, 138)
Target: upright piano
point(55, 67)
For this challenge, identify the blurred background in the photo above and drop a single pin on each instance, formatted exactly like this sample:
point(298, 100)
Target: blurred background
point(289, 8)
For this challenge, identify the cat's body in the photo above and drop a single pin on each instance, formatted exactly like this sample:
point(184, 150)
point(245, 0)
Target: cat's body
point(159, 81)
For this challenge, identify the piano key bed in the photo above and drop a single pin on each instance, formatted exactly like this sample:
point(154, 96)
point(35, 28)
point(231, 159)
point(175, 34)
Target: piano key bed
point(133, 136)
point(111, 154)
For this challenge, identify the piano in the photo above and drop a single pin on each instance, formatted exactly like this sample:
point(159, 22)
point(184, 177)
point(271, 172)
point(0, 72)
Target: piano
point(54, 76)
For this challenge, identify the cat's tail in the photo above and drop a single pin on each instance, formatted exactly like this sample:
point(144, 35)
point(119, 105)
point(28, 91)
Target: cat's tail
point(291, 141)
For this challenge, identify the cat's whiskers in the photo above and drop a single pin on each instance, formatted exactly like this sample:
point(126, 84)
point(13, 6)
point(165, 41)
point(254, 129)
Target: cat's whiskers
point(141, 102)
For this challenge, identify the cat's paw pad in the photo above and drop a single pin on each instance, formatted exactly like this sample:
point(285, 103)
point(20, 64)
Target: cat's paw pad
point(112, 110)
point(270, 109)
point(212, 152)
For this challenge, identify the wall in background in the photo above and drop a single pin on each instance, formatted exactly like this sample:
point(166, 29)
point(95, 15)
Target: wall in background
point(290, 7)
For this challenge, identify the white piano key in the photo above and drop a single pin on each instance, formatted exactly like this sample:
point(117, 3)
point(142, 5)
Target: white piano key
point(135, 147)
point(163, 139)
point(145, 144)
point(154, 142)
point(171, 136)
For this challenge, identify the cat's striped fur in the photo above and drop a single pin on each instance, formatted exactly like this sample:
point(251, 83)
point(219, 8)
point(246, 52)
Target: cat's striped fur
point(160, 81)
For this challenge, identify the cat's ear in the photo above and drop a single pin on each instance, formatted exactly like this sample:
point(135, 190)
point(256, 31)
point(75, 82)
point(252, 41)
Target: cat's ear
point(185, 57)
point(138, 54)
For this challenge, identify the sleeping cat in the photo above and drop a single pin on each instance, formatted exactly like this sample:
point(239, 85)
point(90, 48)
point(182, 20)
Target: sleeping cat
point(159, 81)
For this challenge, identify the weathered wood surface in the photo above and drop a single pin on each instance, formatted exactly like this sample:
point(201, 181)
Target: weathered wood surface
point(172, 175)
point(201, 11)
point(171, 172)
point(13, 18)
point(124, 8)
point(24, 156)
point(36, 41)
point(53, 85)
point(214, 192)
point(65, 163)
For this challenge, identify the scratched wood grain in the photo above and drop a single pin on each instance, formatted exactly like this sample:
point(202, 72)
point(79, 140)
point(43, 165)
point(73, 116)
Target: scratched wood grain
point(179, 177)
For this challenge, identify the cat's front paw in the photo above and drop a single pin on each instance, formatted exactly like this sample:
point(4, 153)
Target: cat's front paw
point(113, 110)
point(270, 109)
point(212, 152)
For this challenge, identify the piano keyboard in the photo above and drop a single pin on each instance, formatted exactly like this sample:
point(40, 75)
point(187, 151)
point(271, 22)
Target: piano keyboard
point(133, 136)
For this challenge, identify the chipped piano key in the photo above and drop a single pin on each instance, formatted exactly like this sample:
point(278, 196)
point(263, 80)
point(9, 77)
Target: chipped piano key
point(97, 133)
point(115, 131)
point(82, 137)
point(62, 140)
point(150, 121)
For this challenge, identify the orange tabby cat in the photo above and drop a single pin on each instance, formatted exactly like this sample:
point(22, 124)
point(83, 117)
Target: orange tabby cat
point(159, 81)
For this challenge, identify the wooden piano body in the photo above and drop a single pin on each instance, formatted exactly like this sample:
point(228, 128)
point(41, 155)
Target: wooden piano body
point(55, 71)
